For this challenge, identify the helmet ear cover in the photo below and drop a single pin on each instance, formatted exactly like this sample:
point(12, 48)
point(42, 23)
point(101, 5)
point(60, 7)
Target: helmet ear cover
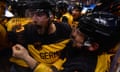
point(102, 28)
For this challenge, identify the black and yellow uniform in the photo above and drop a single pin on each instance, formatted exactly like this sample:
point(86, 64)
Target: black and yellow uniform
point(82, 60)
point(63, 14)
point(17, 22)
point(15, 26)
point(101, 28)
point(67, 18)
point(45, 49)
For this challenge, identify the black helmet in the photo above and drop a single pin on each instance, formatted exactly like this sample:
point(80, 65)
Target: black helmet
point(77, 7)
point(101, 27)
point(40, 6)
point(18, 8)
point(62, 5)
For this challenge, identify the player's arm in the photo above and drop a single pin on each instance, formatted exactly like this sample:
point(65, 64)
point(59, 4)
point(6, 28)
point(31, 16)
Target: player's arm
point(20, 52)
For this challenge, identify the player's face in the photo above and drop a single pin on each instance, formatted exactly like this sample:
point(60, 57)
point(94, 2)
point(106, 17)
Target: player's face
point(75, 13)
point(41, 20)
point(78, 38)
point(80, 41)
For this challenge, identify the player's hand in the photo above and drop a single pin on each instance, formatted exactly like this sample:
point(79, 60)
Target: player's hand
point(19, 52)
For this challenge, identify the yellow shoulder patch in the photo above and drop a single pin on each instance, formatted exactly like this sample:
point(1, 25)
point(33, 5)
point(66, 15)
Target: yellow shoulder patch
point(16, 21)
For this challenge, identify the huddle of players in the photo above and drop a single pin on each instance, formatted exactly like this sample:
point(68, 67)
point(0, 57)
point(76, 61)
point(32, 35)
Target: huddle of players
point(43, 45)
